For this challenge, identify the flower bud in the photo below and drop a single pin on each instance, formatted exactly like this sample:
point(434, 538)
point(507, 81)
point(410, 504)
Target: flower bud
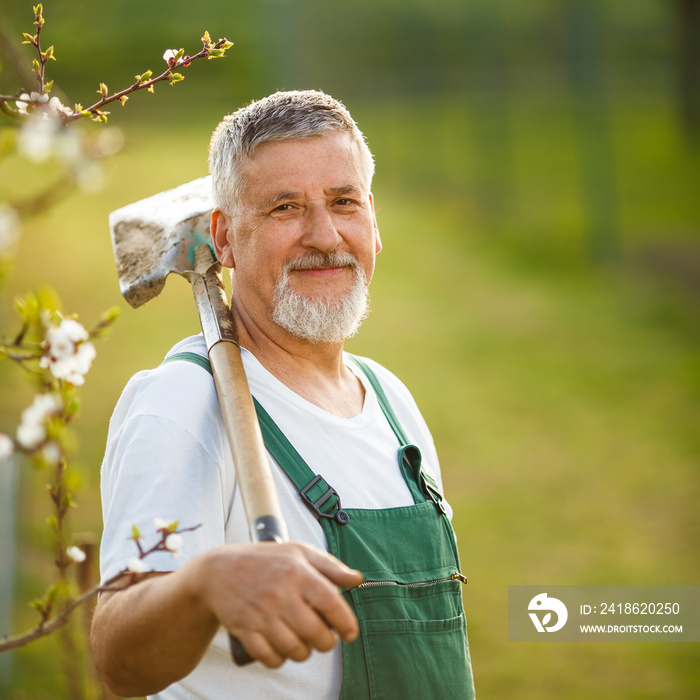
point(136, 566)
point(173, 543)
point(76, 554)
point(170, 57)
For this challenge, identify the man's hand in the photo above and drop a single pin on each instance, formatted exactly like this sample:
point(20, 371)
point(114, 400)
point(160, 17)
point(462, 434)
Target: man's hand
point(281, 601)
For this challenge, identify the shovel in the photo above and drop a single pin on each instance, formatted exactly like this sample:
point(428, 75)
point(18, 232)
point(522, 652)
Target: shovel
point(169, 232)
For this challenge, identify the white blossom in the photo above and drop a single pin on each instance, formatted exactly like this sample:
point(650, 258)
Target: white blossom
point(69, 355)
point(56, 107)
point(25, 101)
point(170, 56)
point(173, 543)
point(7, 446)
point(52, 452)
point(136, 566)
point(32, 430)
point(31, 435)
point(37, 137)
point(43, 406)
point(73, 330)
point(164, 523)
point(76, 554)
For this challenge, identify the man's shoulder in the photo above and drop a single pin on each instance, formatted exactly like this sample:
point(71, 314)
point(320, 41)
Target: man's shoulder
point(172, 389)
point(192, 344)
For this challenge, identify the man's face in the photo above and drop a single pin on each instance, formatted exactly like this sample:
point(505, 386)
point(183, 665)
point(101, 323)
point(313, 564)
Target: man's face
point(305, 223)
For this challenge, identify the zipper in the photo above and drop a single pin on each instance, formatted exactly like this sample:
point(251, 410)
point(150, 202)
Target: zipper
point(454, 577)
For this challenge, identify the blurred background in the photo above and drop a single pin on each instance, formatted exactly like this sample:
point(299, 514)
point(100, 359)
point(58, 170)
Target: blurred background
point(537, 188)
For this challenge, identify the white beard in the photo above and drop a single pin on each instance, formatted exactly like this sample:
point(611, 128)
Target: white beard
point(321, 320)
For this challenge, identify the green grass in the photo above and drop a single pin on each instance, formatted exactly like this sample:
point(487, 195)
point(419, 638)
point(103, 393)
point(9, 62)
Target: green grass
point(563, 397)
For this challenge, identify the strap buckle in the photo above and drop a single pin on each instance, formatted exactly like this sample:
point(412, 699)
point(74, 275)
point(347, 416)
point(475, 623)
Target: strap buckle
point(339, 515)
point(431, 490)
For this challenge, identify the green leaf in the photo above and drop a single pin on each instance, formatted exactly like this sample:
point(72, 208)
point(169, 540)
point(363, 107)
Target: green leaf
point(111, 315)
point(135, 533)
point(37, 604)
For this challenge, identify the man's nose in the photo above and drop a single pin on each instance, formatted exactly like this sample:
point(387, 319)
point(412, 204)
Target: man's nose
point(320, 230)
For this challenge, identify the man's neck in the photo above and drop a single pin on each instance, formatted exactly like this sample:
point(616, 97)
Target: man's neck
point(314, 371)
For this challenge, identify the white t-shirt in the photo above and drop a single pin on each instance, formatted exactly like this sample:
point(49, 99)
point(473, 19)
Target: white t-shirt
point(168, 457)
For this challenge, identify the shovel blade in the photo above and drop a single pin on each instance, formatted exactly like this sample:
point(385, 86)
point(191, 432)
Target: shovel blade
point(156, 236)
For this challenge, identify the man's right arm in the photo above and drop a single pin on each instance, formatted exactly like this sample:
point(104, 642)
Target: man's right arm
point(282, 601)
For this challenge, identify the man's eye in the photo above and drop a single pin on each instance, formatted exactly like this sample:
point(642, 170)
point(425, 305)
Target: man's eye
point(344, 202)
point(283, 207)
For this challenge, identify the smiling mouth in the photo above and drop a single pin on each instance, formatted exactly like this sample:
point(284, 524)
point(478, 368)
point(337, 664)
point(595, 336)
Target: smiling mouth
point(321, 271)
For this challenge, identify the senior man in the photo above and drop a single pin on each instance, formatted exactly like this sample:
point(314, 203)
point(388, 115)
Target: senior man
point(372, 575)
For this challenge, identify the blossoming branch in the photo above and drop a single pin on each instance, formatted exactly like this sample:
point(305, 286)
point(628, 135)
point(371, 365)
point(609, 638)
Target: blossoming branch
point(28, 102)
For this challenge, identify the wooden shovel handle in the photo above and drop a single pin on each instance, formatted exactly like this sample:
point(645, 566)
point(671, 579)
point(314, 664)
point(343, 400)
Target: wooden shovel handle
point(253, 474)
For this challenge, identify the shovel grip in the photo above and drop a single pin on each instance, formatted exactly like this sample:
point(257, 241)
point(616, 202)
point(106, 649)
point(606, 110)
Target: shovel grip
point(265, 529)
point(240, 656)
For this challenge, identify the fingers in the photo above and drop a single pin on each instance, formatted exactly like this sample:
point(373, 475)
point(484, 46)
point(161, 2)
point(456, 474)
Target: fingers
point(294, 637)
point(310, 627)
point(334, 610)
point(282, 600)
point(333, 569)
point(331, 610)
point(274, 648)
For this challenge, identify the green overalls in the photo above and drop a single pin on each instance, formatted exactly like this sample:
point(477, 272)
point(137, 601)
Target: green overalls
point(413, 637)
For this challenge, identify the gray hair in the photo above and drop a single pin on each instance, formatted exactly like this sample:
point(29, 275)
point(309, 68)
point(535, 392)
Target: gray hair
point(283, 116)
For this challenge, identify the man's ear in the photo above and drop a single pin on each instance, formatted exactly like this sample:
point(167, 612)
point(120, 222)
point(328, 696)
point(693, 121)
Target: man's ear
point(378, 245)
point(220, 231)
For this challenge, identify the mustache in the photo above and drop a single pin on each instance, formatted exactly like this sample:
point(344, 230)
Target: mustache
point(315, 261)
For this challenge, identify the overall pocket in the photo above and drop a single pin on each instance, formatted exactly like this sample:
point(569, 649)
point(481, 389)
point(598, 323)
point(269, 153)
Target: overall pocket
point(413, 643)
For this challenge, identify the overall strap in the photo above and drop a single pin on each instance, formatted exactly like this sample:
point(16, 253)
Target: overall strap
point(382, 399)
point(420, 483)
point(321, 498)
point(190, 357)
